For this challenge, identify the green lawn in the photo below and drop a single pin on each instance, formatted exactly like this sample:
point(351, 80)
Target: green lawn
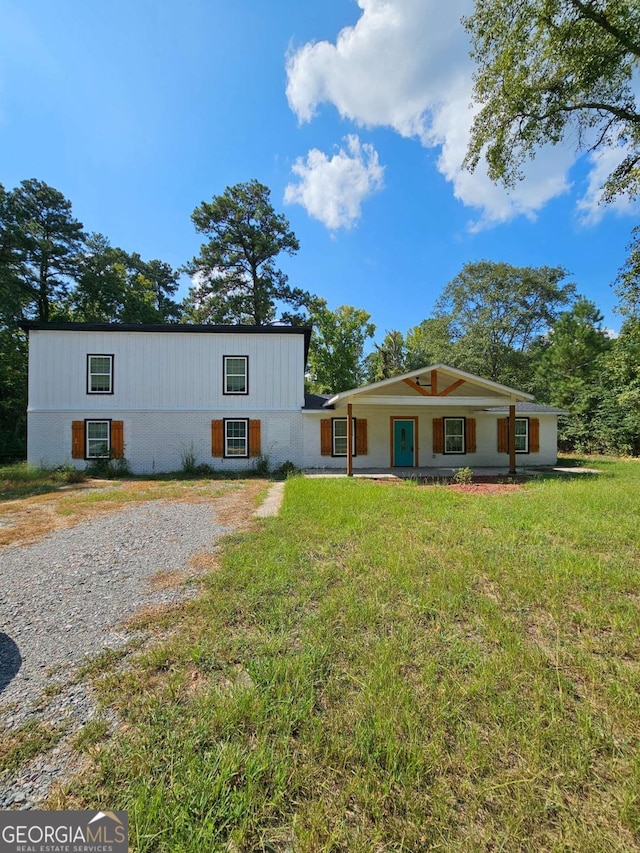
point(387, 668)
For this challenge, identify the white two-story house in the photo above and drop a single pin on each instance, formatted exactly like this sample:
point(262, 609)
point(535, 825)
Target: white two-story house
point(227, 395)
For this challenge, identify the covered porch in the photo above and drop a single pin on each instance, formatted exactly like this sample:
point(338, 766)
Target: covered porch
point(427, 424)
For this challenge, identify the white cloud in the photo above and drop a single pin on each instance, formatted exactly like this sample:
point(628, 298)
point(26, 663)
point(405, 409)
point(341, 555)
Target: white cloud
point(332, 189)
point(405, 65)
point(590, 208)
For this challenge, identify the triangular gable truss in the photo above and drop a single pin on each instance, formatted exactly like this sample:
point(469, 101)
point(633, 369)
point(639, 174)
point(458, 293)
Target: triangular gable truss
point(435, 388)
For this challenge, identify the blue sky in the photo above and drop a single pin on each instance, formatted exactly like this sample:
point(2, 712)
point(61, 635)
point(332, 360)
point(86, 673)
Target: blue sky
point(355, 114)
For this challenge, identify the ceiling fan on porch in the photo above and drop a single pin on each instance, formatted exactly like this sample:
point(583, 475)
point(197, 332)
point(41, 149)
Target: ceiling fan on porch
point(421, 384)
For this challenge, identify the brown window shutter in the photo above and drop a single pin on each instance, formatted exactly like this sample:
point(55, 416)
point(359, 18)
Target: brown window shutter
point(254, 438)
point(534, 435)
point(117, 439)
point(503, 435)
point(470, 435)
point(361, 436)
point(217, 438)
point(325, 437)
point(438, 435)
point(77, 440)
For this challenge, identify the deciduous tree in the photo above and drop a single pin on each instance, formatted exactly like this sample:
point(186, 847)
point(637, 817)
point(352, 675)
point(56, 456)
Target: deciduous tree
point(336, 355)
point(495, 312)
point(549, 70)
point(387, 359)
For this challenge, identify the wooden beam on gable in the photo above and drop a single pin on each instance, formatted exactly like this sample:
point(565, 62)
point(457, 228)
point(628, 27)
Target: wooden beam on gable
point(451, 387)
point(434, 386)
point(412, 384)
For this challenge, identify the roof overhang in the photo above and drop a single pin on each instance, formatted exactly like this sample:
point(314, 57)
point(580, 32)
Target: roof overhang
point(495, 391)
point(179, 328)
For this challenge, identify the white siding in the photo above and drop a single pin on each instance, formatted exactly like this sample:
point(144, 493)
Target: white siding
point(158, 441)
point(379, 439)
point(164, 371)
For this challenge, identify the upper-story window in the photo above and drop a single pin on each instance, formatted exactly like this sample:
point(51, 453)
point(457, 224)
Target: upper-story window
point(236, 374)
point(99, 374)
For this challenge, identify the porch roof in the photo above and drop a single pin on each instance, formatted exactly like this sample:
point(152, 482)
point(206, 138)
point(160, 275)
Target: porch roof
point(487, 392)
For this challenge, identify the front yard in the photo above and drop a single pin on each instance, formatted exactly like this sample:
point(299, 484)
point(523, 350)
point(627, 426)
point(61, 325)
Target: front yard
point(393, 668)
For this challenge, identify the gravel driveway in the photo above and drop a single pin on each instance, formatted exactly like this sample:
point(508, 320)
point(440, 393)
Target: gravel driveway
point(65, 597)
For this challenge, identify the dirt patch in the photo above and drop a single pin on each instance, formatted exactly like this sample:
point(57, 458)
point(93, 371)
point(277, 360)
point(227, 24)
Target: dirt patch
point(26, 520)
point(486, 488)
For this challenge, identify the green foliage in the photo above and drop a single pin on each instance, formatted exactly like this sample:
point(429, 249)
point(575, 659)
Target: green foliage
point(262, 466)
point(286, 470)
point(46, 243)
point(13, 392)
point(495, 312)
point(554, 69)
point(429, 343)
point(388, 358)
point(108, 469)
point(116, 286)
point(628, 280)
point(462, 476)
point(570, 365)
point(188, 460)
point(236, 279)
point(336, 355)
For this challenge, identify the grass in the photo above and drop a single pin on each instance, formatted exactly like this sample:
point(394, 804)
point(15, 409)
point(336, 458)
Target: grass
point(19, 745)
point(31, 509)
point(22, 480)
point(395, 669)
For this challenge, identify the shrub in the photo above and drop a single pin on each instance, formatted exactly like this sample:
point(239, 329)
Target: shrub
point(462, 476)
point(287, 469)
point(261, 466)
point(108, 469)
point(188, 457)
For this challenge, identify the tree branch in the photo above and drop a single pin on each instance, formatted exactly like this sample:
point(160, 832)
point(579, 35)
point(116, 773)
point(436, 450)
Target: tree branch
point(619, 112)
point(601, 20)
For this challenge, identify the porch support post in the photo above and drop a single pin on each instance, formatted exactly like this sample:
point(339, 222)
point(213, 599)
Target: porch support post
point(512, 440)
point(349, 440)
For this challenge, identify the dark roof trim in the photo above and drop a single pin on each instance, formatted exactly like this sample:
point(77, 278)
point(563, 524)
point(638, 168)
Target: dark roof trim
point(32, 325)
point(315, 401)
point(527, 408)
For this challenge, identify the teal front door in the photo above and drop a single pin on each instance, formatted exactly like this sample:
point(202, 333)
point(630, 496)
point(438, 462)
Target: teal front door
point(403, 454)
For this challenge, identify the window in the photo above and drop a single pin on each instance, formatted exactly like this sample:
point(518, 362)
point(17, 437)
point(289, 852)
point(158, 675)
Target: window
point(98, 444)
point(236, 374)
point(236, 438)
point(454, 435)
point(339, 437)
point(99, 374)
point(522, 435)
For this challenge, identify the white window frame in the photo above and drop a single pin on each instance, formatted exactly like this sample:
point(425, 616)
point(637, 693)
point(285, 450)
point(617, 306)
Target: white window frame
point(88, 441)
point(524, 435)
point(91, 373)
point(446, 422)
point(226, 375)
point(228, 438)
point(335, 421)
